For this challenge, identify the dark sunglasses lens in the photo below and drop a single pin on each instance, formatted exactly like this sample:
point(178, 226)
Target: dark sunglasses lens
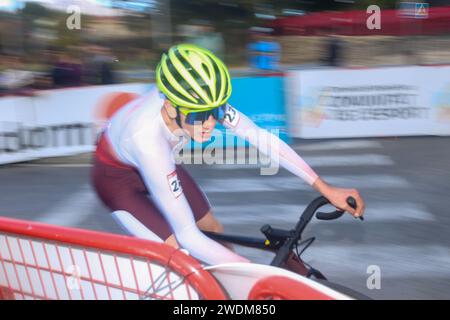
point(217, 113)
point(203, 116)
point(221, 111)
point(193, 117)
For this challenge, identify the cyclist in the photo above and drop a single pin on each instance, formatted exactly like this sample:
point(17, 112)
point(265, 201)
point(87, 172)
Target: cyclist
point(134, 170)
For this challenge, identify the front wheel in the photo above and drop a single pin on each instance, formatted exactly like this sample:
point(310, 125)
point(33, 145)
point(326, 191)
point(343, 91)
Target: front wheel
point(296, 265)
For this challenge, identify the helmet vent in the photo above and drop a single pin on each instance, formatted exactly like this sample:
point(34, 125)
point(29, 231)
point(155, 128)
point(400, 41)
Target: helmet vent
point(205, 68)
point(192, 92)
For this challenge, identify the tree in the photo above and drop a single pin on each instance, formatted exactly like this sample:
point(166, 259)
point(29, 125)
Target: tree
point(35, 11)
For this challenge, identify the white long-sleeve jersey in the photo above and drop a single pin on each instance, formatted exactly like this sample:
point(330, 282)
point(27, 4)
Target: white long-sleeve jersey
point(140, 138)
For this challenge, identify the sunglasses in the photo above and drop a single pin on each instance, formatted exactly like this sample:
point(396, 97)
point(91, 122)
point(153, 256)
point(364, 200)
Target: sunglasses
point(193, 117)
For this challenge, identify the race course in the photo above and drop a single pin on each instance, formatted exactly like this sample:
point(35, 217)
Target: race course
point(405, 182)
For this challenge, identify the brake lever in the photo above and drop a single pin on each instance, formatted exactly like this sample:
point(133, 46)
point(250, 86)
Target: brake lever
point(337, 214)
point(352, 203)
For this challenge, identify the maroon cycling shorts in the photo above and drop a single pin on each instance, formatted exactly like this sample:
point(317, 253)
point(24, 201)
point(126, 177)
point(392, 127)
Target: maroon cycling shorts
point(121, 187)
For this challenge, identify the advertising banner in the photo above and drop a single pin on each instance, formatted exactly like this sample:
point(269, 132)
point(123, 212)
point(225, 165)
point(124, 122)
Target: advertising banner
point(342, 103)
point(54, 123)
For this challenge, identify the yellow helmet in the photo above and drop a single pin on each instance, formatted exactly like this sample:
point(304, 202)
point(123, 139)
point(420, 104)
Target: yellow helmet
point(193, 78)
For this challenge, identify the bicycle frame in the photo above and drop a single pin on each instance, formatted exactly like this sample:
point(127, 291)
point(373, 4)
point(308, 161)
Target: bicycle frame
point(282, 242)
point(294, 264)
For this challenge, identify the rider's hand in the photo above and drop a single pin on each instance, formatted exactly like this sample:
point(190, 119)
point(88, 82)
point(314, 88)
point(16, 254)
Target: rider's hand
point(338, 197)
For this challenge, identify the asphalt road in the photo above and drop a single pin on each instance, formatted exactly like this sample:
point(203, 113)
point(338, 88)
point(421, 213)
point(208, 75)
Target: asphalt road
point(405, 182)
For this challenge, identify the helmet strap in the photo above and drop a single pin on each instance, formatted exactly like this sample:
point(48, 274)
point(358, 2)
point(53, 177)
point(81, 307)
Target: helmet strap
point(178, 118)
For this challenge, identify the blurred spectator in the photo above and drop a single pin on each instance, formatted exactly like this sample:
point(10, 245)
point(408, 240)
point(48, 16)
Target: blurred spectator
point(14, 78)
point(66, 71)
point(334, 48)
point(99, 68)
point(264, 51)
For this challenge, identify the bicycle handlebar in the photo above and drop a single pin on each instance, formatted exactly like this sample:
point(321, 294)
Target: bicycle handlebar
point(337, 214)
point(294, 235)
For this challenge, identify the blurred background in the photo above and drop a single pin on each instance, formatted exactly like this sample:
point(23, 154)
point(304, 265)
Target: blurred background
point(121, 41)
point(366, 108)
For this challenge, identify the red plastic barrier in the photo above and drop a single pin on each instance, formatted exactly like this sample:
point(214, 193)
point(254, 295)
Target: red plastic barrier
point(40, 261)
point(283, 288)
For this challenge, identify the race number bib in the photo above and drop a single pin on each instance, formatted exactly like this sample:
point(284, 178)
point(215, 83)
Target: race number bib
point(231, 117)
point(174, 184)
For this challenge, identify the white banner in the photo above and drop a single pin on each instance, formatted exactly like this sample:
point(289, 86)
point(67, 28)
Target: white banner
point(56, 122)
point(342, 103)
